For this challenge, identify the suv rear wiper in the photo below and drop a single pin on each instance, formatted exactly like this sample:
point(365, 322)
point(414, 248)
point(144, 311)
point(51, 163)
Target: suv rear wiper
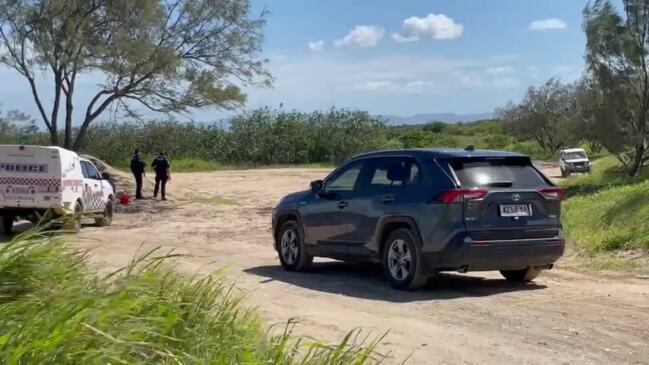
point(500, 184)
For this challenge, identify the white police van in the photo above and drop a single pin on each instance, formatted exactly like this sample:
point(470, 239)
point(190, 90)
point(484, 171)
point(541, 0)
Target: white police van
point(35, 180)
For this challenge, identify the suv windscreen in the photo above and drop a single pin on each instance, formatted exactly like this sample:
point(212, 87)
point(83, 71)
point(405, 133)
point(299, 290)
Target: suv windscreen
point(574, 155)
point(508, 172)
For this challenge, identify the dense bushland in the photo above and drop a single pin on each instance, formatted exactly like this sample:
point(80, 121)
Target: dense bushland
point(258, 137)
point(265, 137)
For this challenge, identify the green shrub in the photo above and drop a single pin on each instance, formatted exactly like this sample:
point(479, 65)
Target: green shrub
point(54, 311)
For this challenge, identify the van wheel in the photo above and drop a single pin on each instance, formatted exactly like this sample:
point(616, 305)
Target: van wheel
point(523, 276)
point(7, 224)
point(291, 250)
point(402, 261)
point(74, 222)
point(107, 218)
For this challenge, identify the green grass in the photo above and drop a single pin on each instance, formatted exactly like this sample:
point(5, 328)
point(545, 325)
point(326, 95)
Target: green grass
point(53, 310)
point(606, 173)
point(614, 218)
point(201, 165)
point(607, 212)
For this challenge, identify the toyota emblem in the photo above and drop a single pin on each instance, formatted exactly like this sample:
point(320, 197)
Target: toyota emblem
point(516, 197)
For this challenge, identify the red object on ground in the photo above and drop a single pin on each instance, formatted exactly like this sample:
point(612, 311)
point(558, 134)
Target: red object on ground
point(123, 199)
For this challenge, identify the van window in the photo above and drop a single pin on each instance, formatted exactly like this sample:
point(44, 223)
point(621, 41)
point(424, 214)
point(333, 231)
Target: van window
point(89, 171)
point(497, 172)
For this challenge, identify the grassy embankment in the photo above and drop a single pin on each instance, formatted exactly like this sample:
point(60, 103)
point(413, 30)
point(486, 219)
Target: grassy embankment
point(55, 311)
point(606, 217)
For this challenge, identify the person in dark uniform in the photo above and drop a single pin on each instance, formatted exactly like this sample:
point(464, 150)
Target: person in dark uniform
point(161, 167)
point(137, 168)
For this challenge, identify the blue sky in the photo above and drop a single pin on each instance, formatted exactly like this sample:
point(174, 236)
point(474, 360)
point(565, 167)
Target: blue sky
point(493, 55)
point(399, 57)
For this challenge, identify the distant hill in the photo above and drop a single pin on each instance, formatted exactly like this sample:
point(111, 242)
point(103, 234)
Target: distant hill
point(440, 117)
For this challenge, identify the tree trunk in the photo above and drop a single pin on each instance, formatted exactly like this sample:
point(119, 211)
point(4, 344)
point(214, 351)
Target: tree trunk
point(81, 135)
point(69, 108)
point(54, 136)
point(68, 120)
point(636, 165)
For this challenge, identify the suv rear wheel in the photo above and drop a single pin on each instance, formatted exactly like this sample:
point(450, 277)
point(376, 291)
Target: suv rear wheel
point(524, 275)
point(402, 261)
point(290, 247)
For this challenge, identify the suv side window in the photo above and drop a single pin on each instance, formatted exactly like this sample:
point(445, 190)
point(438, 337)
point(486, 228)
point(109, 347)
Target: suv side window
point(346, 178)
point(387, 172)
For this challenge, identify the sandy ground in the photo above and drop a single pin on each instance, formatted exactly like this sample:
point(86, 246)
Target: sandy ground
point(222, 220)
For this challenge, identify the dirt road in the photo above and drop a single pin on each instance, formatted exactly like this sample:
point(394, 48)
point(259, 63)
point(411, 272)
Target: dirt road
point(222, 219)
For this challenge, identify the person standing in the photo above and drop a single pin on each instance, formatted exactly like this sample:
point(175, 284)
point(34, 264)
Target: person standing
point(138, 169)
point(161, 167)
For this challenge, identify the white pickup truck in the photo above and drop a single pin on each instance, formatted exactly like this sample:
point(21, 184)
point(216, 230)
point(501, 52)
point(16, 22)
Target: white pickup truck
point(574, 160)
point(35, 180)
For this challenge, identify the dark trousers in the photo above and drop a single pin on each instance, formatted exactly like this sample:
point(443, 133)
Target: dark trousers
point(160, 184)
point(138, 186)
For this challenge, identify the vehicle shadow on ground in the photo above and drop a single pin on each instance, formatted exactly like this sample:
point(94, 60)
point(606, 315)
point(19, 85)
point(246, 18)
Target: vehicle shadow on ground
point(367, 282)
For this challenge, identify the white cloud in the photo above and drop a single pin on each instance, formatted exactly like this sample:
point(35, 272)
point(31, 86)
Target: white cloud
point(362, 36)
point(505, 82)
point(547, 24)
point(533, 71)
point(390, 84)
point(316, 46)
point(384, 85)
point(433, 26)
point(468, 79)
point(499, 70)
point(410, 87)
point(416, 87)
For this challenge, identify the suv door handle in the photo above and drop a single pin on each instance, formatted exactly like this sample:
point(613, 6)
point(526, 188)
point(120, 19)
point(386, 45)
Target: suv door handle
point(342, 205)
point(387, 200)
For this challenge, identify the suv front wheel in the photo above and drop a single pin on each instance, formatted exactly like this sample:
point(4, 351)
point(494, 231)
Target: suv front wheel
point(291, 250)
point(402, 261)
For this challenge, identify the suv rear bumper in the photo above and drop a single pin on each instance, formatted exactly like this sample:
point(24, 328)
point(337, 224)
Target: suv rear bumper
point(465, 254)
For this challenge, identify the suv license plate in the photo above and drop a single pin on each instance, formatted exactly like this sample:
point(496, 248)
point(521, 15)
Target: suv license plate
point(515, 210)
point(20, 190)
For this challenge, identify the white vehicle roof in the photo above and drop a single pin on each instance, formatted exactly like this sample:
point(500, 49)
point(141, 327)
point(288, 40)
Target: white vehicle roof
point(574, 150)
point(61, 149)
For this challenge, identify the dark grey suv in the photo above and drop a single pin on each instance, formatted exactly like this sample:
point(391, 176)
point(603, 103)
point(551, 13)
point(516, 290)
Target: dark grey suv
point(419, 212)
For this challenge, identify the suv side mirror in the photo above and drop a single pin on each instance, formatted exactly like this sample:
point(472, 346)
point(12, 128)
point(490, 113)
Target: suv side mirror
point(105, 176)
point(317, 186)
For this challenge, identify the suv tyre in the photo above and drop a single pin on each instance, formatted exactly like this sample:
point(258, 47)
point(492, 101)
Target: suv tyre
point(290, 248)
point(524, 275)
point(402, 261)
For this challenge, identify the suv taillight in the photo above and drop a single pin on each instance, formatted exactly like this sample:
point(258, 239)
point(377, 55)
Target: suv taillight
point(553, 193)
point(461, 195)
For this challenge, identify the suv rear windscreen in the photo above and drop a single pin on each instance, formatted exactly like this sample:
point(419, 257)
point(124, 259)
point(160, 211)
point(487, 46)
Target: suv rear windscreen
point(504, 172)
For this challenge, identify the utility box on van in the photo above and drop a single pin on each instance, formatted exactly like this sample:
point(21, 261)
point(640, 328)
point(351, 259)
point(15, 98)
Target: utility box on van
point(35, 180)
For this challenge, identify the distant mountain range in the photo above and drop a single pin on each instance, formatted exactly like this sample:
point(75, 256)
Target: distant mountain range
point(440, 117)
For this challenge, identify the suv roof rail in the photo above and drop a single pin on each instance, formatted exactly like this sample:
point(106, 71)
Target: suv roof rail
point(470, 148)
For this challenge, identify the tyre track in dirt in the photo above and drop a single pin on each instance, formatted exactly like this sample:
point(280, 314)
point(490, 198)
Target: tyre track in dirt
point(222, 219)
